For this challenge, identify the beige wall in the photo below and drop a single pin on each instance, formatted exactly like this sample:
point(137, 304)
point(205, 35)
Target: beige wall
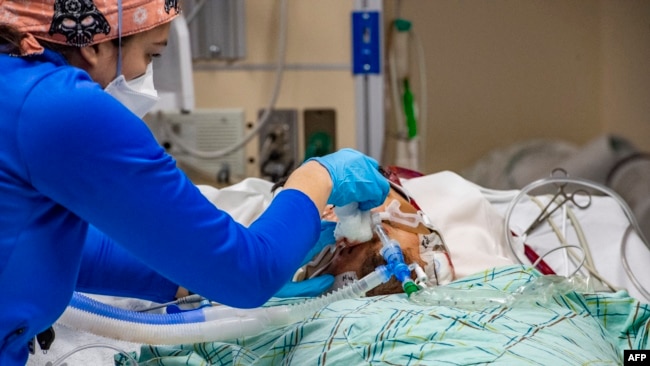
point(625, 103)
point(499, 71)
point(318, 35)
point(502, 71)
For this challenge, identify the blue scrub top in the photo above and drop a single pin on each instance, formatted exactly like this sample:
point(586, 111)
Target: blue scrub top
point(89, 201)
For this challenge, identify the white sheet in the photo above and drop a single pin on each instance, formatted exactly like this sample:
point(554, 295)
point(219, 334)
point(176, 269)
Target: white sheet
point(472, 229)
point(471, 219)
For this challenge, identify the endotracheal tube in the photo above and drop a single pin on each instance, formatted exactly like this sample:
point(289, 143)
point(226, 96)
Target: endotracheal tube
point(392, 253)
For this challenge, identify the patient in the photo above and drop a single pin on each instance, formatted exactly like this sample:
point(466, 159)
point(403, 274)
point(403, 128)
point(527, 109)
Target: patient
point(421, 244)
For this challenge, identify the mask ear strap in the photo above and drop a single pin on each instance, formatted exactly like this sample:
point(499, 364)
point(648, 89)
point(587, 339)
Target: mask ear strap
point(119, 38)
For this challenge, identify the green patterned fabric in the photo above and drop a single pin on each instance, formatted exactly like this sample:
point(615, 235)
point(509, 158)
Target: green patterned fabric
point(570, 329)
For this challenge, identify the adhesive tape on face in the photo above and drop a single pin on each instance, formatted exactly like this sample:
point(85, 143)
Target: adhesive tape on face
point(344, 279)
point(396, 215)
point(439, 268)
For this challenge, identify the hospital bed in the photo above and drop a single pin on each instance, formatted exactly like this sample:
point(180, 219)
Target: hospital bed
point(497, 311)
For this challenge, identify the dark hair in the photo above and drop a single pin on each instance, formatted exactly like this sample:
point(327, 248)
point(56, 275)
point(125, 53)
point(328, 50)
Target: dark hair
point(277, 185)
point(10, 39)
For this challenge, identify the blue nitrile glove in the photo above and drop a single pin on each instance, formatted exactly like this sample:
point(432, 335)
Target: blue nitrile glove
point(312, 287)
point(355, 178)
point(326, 238)
point(315, 286)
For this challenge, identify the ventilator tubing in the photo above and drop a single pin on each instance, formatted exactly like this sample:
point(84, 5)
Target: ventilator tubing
point(216, 323)
point(540, 290)
point(392, 254)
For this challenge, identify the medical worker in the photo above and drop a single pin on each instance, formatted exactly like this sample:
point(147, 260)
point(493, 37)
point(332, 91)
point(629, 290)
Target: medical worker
point(90, 202)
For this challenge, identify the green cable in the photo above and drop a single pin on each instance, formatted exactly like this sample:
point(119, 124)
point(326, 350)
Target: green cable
point(409, 110)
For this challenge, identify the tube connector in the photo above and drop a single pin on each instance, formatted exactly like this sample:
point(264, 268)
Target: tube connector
point(392, 254)
point(410, 287)
point(375, 219)
point(421, 277)
point(395, 258)
point(383, 273)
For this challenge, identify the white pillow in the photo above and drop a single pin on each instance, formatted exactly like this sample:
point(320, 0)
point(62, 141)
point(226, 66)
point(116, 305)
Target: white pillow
point(472, 229)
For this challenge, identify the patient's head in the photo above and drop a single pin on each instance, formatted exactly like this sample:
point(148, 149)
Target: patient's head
point(420, 244)
point(352, 261)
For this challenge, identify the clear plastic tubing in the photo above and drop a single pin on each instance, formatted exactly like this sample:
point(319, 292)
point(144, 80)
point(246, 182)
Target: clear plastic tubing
point(600, 188)
point(469, 299)
point(217, 323)
point(392, 254)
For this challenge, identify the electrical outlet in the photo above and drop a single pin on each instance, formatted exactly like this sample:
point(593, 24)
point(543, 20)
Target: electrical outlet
point(278, 144)
point(319, 132)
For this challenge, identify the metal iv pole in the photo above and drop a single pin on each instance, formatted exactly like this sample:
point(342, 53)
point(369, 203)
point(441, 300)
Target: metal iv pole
point(367, 52)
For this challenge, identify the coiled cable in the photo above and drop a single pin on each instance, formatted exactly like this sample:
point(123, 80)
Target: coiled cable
point(634, 225)
point(59, 361)
point(263, 119)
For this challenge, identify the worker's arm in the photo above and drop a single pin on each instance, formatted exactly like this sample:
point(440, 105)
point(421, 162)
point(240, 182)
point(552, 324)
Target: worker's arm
point(108, 269)
point(103, 164)
point(313, 180)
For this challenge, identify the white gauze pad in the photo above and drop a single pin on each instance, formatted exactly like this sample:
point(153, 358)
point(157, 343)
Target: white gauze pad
point(353, 224)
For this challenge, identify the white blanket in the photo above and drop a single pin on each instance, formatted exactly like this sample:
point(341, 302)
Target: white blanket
point(471, 219)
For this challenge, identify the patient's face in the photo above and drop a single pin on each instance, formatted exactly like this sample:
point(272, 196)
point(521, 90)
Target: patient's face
point(363, 258)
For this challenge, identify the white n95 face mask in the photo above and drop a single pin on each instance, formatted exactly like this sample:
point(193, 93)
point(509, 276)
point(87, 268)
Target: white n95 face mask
point(138, 95)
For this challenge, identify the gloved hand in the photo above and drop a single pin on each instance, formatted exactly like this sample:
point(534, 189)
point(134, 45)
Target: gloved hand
point(355, 178)
point(315, 286)
point(312, 287)
point(326, 238)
